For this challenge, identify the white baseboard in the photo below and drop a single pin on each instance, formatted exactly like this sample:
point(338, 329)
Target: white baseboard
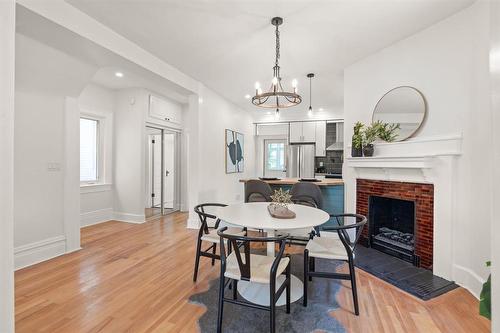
point(466, 278)
point(96, 216)
point(193, 223)
point(131, 218)
point(30, 254)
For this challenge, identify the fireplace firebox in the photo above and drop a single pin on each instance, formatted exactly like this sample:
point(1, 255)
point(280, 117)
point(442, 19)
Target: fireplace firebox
point(392, 227)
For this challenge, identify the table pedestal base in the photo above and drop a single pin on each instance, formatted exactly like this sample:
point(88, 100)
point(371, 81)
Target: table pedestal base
point(258, 293)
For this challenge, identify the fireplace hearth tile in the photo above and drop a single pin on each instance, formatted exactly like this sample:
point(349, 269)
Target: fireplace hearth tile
point(402, 274)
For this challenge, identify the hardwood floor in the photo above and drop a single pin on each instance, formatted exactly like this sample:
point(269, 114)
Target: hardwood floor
point(138, 277)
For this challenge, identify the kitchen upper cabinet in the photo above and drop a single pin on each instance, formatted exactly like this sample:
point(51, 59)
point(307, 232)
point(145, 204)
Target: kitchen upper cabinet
point(295, 132)
point(320, 138)
point(309, 131)
point(165, 110)
point(302, 132)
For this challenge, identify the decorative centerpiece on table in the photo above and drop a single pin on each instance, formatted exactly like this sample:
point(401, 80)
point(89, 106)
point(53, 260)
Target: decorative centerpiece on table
point(278, 208)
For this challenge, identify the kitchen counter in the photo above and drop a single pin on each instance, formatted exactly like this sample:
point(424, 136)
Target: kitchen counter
point(291, 181)
point(332, 190)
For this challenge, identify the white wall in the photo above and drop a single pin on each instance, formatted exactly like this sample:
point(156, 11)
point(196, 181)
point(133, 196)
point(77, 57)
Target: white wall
point(7, 58)
point(96, 202)
point(215, 115)
point(448, 62)
point(495, 124)
point(45, 77)
point(129, 154)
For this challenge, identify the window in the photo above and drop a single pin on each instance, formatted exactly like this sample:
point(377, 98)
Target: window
point(89, 150)
point(276, 156)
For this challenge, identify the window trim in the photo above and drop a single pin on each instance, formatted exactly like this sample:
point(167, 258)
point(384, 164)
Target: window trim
point(100, 147)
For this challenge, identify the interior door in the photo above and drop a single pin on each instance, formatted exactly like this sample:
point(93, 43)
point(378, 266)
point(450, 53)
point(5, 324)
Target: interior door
point(170, 173)
point(155, 170)
point(275, 158)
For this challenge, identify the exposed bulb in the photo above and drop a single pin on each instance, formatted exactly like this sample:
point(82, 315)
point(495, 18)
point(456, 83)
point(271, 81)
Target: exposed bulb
point(257, 85)
point(259, 91)
point(294, 83)
point(275, 81)
point(277, 114)
point(310, 112)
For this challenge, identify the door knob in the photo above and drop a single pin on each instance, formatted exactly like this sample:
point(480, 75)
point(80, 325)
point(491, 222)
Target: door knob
point(167, 173)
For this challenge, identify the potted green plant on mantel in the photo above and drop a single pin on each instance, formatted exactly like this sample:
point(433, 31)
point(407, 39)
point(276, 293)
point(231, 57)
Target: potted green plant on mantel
point(387, 131)
point(370, 134)
point(357, 140)
point(364, 137)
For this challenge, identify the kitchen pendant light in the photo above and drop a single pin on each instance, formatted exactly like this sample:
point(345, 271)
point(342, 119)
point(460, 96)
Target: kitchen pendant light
point(310, 112)
point(276, 98)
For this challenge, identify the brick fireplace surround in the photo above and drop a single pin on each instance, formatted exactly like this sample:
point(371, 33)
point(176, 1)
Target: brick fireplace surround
point(421, 194)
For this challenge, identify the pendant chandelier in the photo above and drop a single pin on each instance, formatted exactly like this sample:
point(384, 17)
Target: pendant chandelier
point(310, 76)
point(276, 98)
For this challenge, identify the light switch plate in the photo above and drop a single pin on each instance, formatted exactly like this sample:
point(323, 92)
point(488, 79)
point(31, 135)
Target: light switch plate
point(54, 166)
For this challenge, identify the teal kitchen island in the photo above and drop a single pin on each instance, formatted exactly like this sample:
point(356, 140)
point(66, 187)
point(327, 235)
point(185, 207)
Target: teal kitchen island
point(332, 189)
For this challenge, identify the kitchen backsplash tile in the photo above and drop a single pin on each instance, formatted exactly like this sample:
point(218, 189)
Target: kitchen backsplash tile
point(332, 163)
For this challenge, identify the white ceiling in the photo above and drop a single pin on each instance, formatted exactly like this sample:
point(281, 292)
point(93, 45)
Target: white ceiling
point(229, 45)
point(104, 62)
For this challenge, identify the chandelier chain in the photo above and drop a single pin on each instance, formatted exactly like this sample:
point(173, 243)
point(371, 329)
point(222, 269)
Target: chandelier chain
point(277, 46)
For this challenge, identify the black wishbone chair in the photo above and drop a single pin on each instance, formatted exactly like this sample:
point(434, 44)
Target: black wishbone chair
point(307, 194)
point(208, 233)
point(241, 265)
point(335, 248)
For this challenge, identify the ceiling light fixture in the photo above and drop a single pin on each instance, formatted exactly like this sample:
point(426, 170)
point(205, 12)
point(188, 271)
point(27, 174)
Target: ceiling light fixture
point(119, 74)
point(276, 98)
point(310, 111)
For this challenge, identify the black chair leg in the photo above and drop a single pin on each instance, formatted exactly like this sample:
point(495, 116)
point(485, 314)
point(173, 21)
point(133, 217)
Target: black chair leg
point(288, 287)
point(221, 305)
point(213, 252)
point(272, 306)
point(312, 266)
point(235, 289)
point(353, 287)
point(306, 276)
point(197, 260)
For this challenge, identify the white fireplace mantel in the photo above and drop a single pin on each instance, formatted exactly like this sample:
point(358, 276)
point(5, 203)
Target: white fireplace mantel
point(402, 162)
point(431, 160)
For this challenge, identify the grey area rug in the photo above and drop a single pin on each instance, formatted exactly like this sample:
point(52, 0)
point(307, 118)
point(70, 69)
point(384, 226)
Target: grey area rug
point(242, 319)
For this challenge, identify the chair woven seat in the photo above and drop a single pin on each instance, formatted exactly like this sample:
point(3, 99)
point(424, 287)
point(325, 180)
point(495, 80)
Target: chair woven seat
point(214, 238)
point(260, 267)
point(327, 248)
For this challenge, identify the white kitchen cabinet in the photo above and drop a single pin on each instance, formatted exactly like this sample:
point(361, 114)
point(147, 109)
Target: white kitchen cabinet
point(302, 132)
point(296, 132)
point(320, 138)
point(309, 131)
point(165, 110)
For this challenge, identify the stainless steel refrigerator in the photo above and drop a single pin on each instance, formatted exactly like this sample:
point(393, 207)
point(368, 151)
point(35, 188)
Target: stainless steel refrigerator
point(301, 161)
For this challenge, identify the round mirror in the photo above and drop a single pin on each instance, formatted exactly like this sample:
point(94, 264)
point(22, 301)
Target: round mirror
point(405, 106)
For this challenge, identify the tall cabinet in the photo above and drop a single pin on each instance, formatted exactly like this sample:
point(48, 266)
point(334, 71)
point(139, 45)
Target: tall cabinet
point(320, 138)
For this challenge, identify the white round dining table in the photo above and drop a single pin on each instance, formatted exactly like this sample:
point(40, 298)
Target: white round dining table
point(254, 215)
